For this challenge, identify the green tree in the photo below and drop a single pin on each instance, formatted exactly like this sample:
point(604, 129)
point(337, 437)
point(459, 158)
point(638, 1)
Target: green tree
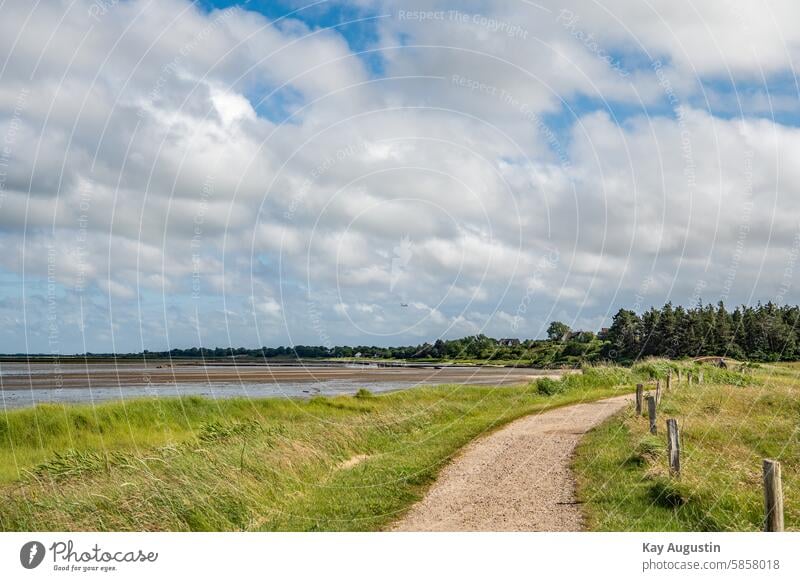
point(558, 331)
point(625, 335)
point(723, 330)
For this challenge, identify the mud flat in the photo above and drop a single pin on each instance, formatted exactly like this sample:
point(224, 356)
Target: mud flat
point(23, 384)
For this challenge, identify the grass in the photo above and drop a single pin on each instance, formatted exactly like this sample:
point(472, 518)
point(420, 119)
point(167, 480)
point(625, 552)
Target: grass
point(729, 424)
point(339, 463)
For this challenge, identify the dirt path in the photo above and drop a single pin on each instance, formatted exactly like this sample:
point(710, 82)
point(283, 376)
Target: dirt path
point(516, 479)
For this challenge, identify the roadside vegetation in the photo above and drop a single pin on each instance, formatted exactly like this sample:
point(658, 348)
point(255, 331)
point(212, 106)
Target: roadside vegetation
point(340, 463)
point(728, 425)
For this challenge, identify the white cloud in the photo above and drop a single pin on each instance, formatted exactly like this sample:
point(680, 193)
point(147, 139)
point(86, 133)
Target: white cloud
point(150, 158)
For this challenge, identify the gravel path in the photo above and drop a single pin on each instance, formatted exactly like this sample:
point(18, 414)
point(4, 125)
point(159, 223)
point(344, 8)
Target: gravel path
point(515, 479)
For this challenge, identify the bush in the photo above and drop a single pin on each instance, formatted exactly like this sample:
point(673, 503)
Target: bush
point(656, 368)
point(549, 386)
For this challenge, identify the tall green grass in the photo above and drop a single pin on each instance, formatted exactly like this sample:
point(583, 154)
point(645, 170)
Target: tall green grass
point(339, 463)
point(728, 424)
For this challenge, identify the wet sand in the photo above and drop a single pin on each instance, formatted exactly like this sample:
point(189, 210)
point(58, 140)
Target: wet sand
point(49, 376)
point(24, 385)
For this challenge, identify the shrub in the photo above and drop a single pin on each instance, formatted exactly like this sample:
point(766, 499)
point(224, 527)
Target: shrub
point(549, 386)
point(656, 368)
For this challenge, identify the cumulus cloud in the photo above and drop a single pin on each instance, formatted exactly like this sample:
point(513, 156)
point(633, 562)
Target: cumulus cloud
point(173, 176)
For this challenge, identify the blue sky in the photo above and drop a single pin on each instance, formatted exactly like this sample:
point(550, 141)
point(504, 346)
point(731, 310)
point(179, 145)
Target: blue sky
point(265, 173)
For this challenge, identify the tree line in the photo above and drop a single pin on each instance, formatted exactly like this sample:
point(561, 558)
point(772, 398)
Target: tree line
point(765, 332)
point(472, 347)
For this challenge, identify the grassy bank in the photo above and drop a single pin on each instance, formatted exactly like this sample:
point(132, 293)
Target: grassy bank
point(343, 463)
point(728, 425)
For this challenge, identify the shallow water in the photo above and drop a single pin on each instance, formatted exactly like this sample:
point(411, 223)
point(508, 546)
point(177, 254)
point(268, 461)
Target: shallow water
point(29, 384)
point(18, 398)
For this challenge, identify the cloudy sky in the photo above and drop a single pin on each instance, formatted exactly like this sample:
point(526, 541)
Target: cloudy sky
point(177, 173)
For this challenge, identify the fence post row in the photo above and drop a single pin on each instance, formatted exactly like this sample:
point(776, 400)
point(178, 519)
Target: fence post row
point(773, 489)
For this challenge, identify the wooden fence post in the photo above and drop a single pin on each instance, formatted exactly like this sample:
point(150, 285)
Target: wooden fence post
point(651, 412)
point(673, 448)
point(689, 378)
point(680, 376)
point(669, 380)
point(658, 391)
point(773, 496)
point(639, 394)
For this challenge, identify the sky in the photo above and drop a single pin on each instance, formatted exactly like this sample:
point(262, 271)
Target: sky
point(177, 174)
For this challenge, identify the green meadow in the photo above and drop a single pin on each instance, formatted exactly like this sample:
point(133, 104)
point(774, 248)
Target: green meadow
point(340, 463)
point(728, 425)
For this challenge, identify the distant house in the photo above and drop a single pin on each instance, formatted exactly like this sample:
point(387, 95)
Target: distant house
point(579, 336)
point(602, 333)
point(508, 342)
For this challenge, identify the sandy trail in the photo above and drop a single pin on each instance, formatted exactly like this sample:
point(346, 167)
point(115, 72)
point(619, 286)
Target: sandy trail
point(515, 479)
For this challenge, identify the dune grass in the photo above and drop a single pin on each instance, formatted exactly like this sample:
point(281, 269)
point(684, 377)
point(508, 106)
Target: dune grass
point(729, 424)
point(340, 463)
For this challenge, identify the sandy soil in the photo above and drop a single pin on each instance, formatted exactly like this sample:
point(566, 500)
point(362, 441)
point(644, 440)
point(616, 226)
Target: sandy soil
point(79, 376)
point(515, 479)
